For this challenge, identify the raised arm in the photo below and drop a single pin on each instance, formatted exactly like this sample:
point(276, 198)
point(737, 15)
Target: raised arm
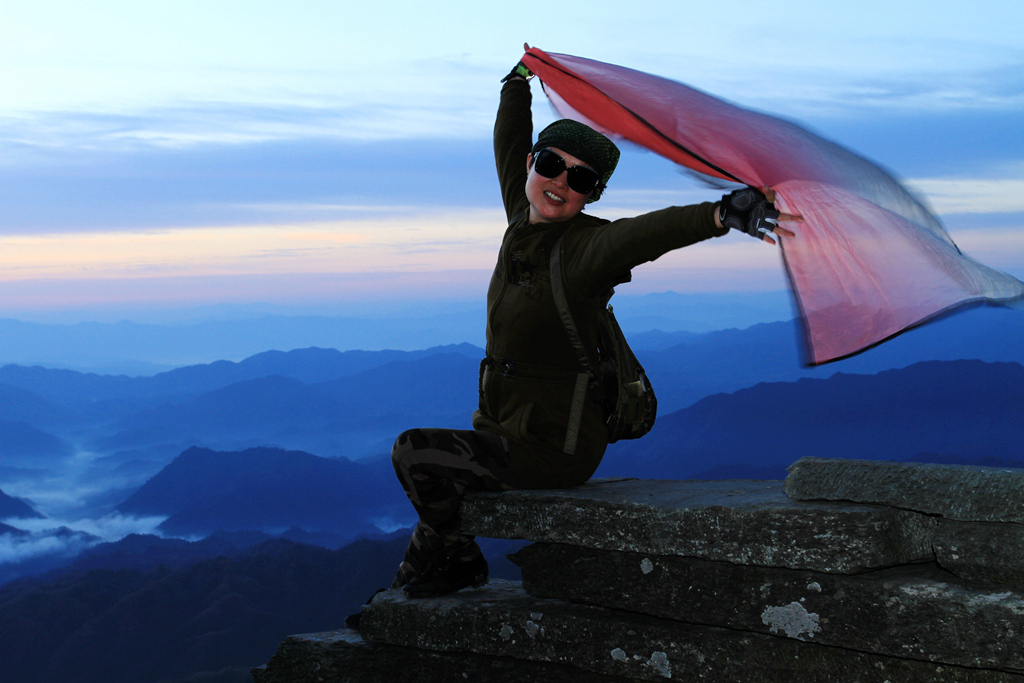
point(513, 139)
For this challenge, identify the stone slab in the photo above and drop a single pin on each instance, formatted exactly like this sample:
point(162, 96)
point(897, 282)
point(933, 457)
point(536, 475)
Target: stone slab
point(502, 620)
point(985, 551)
point(744, 522)
point(917, 612)
point(345, 657)
point(962, 492)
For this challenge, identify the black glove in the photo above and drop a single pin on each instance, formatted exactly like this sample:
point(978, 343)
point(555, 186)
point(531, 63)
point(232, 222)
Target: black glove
point(748, 210)
point(519, 70)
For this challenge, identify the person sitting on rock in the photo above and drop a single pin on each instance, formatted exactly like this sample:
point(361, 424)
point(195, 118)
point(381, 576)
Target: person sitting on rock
point(529, 376)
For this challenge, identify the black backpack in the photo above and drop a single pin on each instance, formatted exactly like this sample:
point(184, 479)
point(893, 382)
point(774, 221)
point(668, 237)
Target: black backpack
point(626, 393)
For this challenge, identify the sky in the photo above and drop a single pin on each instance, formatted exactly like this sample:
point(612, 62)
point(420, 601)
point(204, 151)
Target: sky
point(323, 155)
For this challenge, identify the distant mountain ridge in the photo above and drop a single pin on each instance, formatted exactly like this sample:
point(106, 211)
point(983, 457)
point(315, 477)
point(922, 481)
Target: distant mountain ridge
point(311, 364)
point(22, 444)
point(202, 336)
point(350, 403)
point(169, 624)
point(353, 403)
point(962, 411)
point(728, 360)
point(353, 416)
point(148, 348)
point(735, 403)
point(21, 404)
point(195, 616)
point(958, 410)
point(15, 507)
point(203, 491)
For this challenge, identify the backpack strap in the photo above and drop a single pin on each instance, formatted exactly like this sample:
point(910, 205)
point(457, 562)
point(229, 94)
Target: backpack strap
point(585, 378)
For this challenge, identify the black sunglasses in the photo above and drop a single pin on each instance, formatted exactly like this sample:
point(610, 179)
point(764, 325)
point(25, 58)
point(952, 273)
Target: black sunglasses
point(582, 179)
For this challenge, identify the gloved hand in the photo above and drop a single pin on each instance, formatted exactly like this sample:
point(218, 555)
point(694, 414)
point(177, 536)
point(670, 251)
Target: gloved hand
point(519, 70)
point(748, 210)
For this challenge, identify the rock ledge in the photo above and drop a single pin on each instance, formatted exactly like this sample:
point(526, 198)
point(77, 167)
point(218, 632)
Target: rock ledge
point(912, 573)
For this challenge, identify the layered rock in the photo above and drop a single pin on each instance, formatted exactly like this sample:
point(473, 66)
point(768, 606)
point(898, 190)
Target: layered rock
point(970, 494)
point(918, 612)
point(345, 655)
point(742, 522)
point(979, 511)
point(717, 581)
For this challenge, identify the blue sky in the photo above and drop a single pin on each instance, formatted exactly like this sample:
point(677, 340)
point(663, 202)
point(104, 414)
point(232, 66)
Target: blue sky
point(314, 154)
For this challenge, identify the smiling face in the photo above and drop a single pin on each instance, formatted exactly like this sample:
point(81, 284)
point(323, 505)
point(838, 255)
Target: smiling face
point(551, 199)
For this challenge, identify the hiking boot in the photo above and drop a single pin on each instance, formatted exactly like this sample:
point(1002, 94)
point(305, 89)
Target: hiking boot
point(448, 576)
point(353, 620)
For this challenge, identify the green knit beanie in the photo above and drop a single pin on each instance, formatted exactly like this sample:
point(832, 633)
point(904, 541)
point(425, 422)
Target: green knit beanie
point(584, 143)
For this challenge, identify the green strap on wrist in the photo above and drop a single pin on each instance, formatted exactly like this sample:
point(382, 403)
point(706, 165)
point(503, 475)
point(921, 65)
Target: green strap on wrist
point(519, 70)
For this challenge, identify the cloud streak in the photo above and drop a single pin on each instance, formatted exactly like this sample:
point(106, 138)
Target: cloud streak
point(65, 539)
point(419, 242)
point(460, 107)
point(377, 244)
point(974, 195)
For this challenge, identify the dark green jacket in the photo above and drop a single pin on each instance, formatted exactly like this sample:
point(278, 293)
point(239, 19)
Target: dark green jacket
point(529, 377)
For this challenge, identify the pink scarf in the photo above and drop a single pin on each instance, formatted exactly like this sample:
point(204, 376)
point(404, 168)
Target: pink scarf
point(868, 262)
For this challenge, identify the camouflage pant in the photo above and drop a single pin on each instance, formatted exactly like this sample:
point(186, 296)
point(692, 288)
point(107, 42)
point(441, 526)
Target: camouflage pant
point(436, 467)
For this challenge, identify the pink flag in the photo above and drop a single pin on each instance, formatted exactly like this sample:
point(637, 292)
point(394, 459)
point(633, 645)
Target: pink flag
point(869, 260)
